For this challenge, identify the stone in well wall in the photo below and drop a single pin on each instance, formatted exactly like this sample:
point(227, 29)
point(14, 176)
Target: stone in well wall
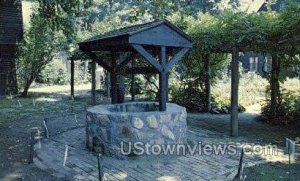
point(109, 125)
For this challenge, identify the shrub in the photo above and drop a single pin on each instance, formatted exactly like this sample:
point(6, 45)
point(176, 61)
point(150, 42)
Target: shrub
point(252, 89)
point(54, 73)
point(288, 110)
point(187, 93)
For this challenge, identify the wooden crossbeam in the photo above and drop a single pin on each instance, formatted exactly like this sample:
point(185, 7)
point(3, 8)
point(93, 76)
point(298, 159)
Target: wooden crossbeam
point(100, 62)
point(176, 58)
point(140, 49)
point(125, 60)
point(139, 70)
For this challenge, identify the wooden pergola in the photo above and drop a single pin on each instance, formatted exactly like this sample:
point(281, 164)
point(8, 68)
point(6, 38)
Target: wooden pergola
point(159, 42)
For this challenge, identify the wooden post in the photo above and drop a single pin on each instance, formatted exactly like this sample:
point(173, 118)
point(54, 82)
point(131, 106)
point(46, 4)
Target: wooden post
point(132, 83)
point(207, 82)
point(274, 86)
point(167, 87)
point(114, 79)
point(234, 91)
point(240, 169)
point(46, 131)
point(32, 142)
point(163, 81)
point(100, 167)
point(107, 82)
point(72, 78)
point(93, 91)
point(121, 89)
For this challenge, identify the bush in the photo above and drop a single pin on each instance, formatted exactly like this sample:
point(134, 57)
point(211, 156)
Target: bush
point(252, 88)
point(54, 73)
point(288, 110)
point(188, 93)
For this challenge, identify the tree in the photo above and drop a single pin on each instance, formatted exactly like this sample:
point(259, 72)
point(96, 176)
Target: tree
point(38, 49)
point(53, 28)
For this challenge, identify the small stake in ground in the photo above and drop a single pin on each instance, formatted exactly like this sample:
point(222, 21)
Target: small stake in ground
point(33, 102)
point(66, 155)
point(240, 174)
point(20, 105)
point(75, 117)
point(32, 141)
point(39, 139)
point(100, 168)
point(46, 128)
point(290, 148)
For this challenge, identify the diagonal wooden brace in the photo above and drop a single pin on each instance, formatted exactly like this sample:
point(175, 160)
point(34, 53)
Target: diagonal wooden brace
point(176, 58)
point(100, 62)
point(140, 49)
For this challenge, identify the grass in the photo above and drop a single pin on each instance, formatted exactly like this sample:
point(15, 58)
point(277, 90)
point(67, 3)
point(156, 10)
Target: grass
point(36, 105)
point(273, 171)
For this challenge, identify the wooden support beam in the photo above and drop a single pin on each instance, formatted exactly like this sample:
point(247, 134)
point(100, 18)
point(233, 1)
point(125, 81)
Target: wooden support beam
point(72, 78)
point(120, 78)
point(93, 91)
point(139, 70)
point(100, 62)
point(114, 79)
point(125, 60)
point(176, 58)
point(140, 49)
point(167, 87)
point(163, 81)
point(234, 91)
point(132, 82)
point(121, 89)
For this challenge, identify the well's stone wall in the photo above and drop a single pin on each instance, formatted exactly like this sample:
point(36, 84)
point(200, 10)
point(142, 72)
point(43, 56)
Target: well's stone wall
point(108, 125)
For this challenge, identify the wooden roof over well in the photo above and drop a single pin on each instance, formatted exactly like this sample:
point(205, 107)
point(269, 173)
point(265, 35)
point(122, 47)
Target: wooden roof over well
point(155, 33)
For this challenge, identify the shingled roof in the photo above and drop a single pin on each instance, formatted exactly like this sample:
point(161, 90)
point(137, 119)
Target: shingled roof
point(121, 37)
point(130, 30)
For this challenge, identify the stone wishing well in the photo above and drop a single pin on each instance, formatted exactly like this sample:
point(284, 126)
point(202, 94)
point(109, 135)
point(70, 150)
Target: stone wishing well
point(109, 125)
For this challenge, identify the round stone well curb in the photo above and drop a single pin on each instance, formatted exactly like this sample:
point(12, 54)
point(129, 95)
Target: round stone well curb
point(109, 125)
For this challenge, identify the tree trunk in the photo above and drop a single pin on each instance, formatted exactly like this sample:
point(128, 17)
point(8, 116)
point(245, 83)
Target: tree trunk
point(207, 82)
point(274, 83)
point(26, 87)
point(234, 91)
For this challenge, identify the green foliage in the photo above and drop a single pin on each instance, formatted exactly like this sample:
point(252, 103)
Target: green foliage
point(52, 29)
point(54, 73)
point(63, 15)
point(252, 89)
point(187, 93)
point(38, 49)
point(289, 104)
